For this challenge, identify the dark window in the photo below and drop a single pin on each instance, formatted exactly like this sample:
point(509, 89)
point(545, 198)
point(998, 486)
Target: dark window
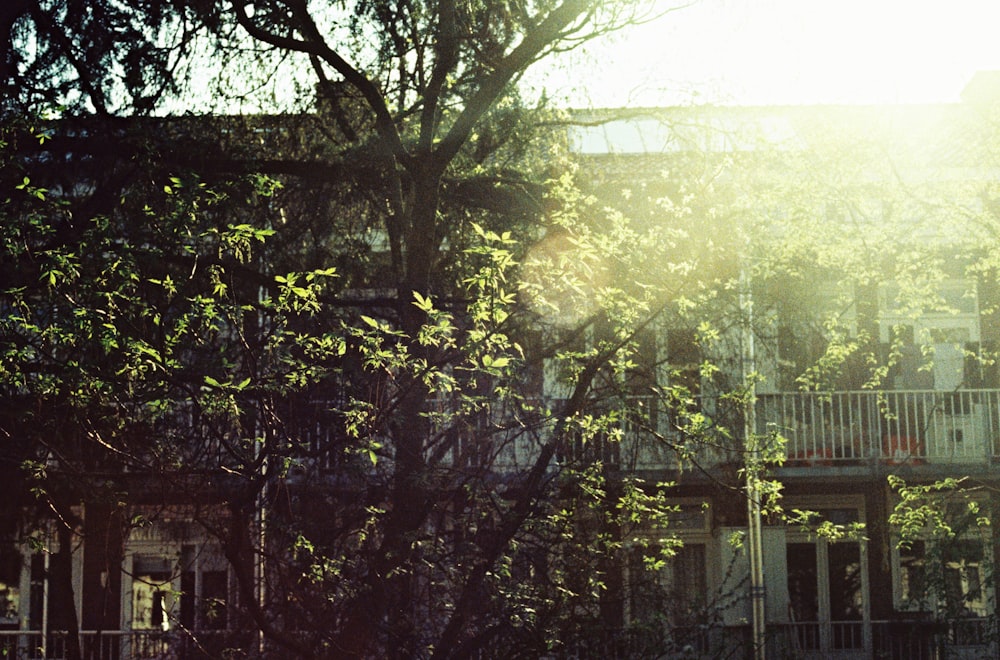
point(214, 599)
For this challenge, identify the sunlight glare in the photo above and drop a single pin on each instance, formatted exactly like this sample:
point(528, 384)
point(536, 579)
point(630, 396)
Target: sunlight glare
point(756, 52)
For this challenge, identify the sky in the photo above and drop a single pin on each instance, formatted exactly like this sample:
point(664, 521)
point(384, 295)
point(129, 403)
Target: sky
point(757, 52)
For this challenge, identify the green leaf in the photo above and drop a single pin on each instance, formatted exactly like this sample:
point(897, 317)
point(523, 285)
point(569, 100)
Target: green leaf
point(422, 303)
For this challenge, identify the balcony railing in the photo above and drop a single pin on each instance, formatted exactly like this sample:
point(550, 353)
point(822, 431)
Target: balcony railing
point(913, 640)
point(887, 428)
point(890, 427)
point(125, 644)
point(812, 640)
point(849, 428)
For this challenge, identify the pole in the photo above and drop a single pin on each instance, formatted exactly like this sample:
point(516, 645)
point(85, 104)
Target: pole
point(260, 503)
point(45, 592)
point(754, 545)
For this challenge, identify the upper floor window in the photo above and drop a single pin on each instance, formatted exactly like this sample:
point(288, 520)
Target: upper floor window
point(938, 312)
point(948, 297)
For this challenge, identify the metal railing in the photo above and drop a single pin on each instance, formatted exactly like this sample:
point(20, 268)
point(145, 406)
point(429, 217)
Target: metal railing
point(803, 638)
point(844, 428)
point(894, 427)
point(909, 640)
point(122, 644)
point(818, 429)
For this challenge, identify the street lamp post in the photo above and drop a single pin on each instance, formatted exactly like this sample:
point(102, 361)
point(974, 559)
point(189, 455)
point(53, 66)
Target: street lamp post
point(752, 464)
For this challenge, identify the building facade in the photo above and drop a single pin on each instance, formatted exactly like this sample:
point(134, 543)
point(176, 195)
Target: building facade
point(829, 334)
point(864, 374)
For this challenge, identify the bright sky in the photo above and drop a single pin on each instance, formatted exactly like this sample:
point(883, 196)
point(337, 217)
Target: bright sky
point(792, 52)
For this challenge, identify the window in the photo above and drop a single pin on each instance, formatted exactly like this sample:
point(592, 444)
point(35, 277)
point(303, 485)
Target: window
point(174, 580)
point(39, 583)
point(947, 578)
point(826, 581)
point(153, 595)
point(684, 357)
point(912, 576)
point(11, 564)
point(939, 315)
point(962, 565)
point(205, 589)
point(667, 597)
point(690, 516)
point(674, 595)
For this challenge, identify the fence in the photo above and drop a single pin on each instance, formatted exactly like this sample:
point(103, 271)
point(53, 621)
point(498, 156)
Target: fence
point(124, 645)
point(899, 640)
point(819, 428)
point(895, 427)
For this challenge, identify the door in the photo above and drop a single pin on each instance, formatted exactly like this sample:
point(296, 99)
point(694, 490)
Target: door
point(826, 598)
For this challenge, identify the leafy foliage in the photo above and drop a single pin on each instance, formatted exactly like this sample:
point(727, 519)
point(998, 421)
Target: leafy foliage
point(387, 346)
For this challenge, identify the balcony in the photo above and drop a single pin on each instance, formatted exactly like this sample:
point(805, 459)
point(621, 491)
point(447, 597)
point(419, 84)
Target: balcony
point(913, 640)
point(870, 429)
point(807, 640)
point(887, 427)
point(873, 429)
point(126, 644)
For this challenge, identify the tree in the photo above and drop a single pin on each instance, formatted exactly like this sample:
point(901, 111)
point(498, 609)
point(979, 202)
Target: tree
point(402, 263)
point(129, 279)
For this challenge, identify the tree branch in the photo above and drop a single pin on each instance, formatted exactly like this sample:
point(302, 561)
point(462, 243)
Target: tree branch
point(314, 44)
point(446, 51)
point(548, 31)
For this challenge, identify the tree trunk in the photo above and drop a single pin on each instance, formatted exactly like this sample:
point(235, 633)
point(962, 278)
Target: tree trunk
point(62, 605)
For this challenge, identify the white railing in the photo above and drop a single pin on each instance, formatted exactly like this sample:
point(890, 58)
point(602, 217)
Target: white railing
point(893, 427)
point(888, 428)
point(649, 433)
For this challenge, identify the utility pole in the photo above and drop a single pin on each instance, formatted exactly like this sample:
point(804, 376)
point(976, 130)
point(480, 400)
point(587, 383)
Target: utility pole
point(758, 594)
